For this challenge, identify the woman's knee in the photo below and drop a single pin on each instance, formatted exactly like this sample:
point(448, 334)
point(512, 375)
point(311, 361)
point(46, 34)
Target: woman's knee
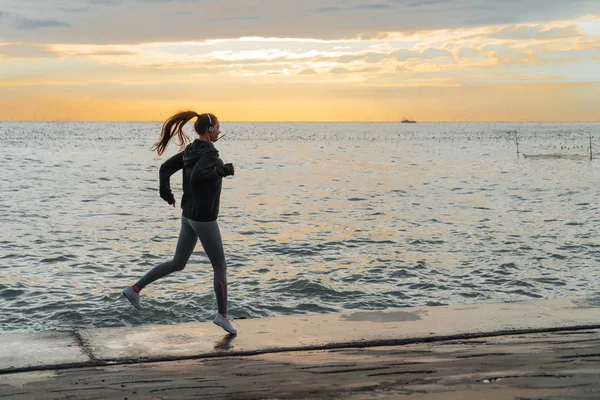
point(220, 270)
point(177, 265)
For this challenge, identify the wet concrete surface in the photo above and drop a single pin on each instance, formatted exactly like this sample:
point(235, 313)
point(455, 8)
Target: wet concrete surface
point(21, 352)
point(553, 365)
point(42, 348)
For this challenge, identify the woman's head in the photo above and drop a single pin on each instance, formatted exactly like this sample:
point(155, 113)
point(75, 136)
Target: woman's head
point(207, 126)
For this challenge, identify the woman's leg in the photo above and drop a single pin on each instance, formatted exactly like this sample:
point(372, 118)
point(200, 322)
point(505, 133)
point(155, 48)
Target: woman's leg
point(210, 237)
point(185, 246)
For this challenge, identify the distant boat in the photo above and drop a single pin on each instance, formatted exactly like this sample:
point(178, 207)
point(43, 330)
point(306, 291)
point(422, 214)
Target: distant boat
point(408, 121)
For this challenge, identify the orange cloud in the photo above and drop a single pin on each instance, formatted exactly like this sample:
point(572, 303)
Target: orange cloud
point(440, 71)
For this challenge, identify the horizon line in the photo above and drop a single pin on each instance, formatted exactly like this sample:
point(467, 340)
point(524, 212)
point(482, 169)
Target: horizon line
point(301, 121)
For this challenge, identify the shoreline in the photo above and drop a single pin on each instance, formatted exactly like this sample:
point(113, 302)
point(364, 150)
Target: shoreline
point(545, 349)
point(53, 350)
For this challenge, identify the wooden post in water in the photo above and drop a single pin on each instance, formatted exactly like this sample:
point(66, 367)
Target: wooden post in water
point(591, 155)
point(517, 142)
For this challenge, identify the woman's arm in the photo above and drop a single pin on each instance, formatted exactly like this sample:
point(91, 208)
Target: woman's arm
point(167, 169)
point(202, 172)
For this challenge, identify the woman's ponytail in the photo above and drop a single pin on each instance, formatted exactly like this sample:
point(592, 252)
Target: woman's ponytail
point(174, 126)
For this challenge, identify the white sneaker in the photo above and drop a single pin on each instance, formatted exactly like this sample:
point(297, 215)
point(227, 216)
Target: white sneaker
point(133, 297)
point(225, 324)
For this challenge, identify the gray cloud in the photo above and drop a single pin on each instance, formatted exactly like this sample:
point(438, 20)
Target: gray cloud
point(232, 19)
point(175, 20)
point(21, 23)
point(467, 53)
point(73, 9)
point(404, 55)
point(108, 53)
point(436, 53)
point(349, 58)
point(426, 3)
point(374, 58)
point(356, 7)
point(330, 9)
point(28, 24)
point(105, 2)
point(166, 1)
point(374, 6)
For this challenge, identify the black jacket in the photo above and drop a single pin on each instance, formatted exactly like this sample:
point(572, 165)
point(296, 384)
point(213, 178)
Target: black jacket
point(203, 171)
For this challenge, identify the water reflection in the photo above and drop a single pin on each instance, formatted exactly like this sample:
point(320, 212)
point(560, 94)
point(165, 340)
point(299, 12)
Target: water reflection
point(433, 214)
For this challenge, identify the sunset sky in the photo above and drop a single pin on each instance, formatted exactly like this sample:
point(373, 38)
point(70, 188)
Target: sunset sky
point(278, 60)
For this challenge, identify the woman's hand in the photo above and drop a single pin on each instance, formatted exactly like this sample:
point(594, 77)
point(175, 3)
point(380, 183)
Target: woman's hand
point(230, 171)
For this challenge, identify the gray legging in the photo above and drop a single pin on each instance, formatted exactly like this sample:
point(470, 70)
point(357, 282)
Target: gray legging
point(210, 237)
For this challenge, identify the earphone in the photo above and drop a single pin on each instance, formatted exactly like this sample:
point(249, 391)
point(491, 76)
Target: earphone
point(211, 128)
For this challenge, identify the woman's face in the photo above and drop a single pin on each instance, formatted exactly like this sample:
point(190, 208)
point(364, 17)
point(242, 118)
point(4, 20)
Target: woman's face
point(215, 134)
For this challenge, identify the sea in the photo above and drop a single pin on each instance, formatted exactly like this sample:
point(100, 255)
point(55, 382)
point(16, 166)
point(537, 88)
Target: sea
point(319, 218)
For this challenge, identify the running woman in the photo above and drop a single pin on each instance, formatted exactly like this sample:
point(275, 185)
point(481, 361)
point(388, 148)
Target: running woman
point(203, 172)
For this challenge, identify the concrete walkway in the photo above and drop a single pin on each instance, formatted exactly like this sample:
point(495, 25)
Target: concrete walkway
point(541, 349)
point(558, 365)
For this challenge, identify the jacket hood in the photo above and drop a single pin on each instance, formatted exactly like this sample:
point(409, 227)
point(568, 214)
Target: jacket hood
point(200, 151)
